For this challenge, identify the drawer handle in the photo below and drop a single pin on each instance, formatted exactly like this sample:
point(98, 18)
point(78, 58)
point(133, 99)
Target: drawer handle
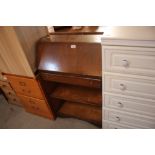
point(122, 86)
point(125, 63)
point(120, 104)
point(22, 83)
point(118, 119)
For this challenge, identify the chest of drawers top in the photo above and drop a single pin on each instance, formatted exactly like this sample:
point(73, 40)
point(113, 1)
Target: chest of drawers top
point(139, 36)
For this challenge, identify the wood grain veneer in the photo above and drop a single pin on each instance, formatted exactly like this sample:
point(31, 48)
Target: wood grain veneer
point(78, 94)
point(84, 112)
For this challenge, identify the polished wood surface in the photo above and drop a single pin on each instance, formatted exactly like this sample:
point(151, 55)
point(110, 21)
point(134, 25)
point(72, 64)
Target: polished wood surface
point(81, 111)
point(83, 30)
point(25, 86)
point(36, 106)
point(70, 79)
point(85, 59)
point(78, 94)
point(69, 68)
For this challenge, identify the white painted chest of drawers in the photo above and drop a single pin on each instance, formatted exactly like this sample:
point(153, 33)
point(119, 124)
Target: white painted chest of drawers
point(128, 67)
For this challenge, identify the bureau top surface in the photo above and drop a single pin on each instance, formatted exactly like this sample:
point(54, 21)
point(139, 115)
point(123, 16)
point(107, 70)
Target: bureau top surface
point(78, 58)
point(72, 38)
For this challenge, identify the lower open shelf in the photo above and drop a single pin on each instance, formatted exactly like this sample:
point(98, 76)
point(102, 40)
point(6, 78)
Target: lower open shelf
point(81, 111)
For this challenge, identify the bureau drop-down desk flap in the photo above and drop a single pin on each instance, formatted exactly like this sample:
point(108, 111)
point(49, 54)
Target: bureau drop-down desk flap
point(69, 69)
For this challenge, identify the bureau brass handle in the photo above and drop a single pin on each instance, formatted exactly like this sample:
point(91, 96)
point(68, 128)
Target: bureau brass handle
point(118, 118)
point(122, 86)
point(125, 63)
point(120, 104)
point(22, 83)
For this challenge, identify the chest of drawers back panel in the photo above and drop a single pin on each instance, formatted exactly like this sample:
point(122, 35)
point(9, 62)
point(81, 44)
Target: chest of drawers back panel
point(128, 68)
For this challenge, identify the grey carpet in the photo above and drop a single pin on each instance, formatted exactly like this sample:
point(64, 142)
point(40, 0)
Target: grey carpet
point(14, 117)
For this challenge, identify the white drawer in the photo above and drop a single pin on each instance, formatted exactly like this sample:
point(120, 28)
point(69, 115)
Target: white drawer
point(111, 125)
point(144, 107)
point(129, 86)
point(129, 119)
point(129, 61)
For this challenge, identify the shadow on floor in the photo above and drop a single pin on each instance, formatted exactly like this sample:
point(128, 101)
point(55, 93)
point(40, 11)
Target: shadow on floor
point(14, 117)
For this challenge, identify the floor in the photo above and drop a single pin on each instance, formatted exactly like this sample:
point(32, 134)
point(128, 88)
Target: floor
point(14, 117)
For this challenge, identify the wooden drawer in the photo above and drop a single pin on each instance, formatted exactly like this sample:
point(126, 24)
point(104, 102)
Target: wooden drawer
point(129, 119)
point(14, 100)
point(112, 125)
point(130, 86)
point(74, 80)
point(25, 86)
point(144, 107)
point(4, 84)
point(36, 106)
point(8, 92)
point(133, 61)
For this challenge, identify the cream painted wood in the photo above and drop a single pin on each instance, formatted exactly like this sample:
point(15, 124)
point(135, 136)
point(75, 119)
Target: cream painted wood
point(139, 106)
point(112, 125)
point(138, 36)
point(128, 56)
point(139, 61)
point(129, 86)
point(28, 36)
point(12, 53)
point(129, 119)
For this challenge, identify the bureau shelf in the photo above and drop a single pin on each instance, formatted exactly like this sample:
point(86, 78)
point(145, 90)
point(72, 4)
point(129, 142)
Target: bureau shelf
point(81, 111)
point(78, 94)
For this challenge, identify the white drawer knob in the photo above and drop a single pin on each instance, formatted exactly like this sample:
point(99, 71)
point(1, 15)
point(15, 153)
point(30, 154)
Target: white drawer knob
point(125, 63)
point(122, 86)
point(120, 104)
point(118, 119)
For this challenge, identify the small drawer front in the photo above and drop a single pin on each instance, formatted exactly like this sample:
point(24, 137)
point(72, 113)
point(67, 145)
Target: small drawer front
point(130, 105)
point(9, 92)
point(109, 125)
point(129, 119)
point(4, 84)
point(130, 61)
point(14, 100)
point(25, 86)
point(88, 82)
point(36, 106)
point(130, 86)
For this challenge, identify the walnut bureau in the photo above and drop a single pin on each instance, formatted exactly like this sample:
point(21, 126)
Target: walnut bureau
point(128, 56)
point(69, 69)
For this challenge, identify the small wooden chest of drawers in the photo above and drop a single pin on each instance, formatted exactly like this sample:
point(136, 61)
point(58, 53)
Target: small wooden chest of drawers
point(31, 95)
